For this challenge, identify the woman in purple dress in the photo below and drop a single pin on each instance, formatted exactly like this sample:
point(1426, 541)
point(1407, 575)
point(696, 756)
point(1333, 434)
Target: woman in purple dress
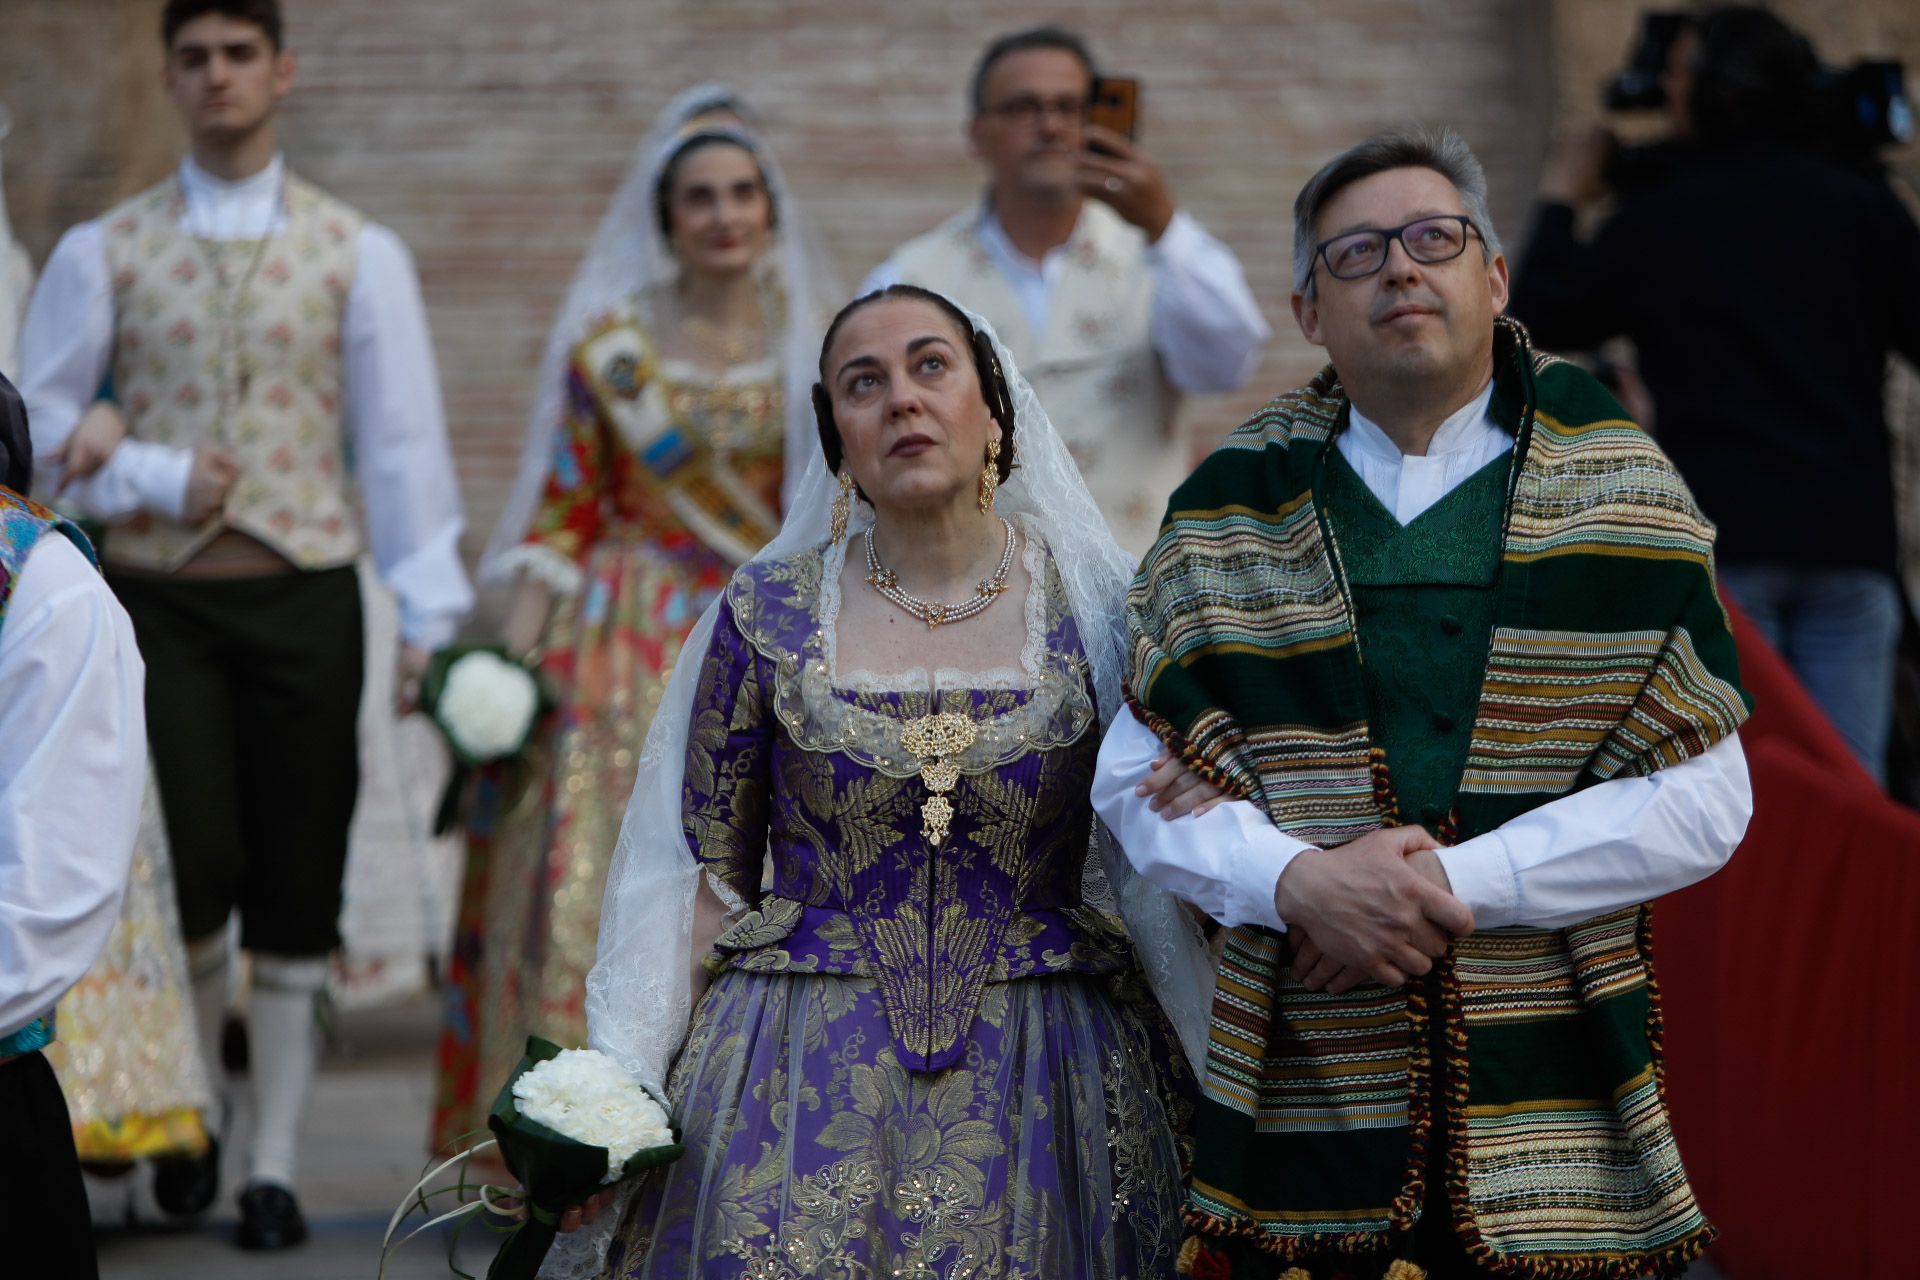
point(924, 1036)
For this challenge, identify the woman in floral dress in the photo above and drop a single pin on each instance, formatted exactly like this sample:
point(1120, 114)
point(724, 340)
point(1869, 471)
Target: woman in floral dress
point(653, 468)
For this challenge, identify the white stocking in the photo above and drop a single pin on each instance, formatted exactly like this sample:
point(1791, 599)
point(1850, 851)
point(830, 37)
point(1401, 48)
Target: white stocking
point(284, 1045)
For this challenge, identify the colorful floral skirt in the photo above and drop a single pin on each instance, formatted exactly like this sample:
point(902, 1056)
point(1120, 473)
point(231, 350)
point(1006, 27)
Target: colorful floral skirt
point(1053, 1149)
point(126, 1054)
point(543, 831)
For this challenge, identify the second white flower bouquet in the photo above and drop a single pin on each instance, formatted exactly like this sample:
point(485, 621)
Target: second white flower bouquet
point(486, 705)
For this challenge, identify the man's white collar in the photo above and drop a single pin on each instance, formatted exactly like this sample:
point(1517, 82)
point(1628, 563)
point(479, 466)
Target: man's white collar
point(198, 182)
point(994, 234)
point(1458, 432)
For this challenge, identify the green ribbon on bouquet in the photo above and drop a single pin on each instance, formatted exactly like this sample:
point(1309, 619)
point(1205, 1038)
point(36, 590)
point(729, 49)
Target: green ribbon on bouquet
point(555, 1173)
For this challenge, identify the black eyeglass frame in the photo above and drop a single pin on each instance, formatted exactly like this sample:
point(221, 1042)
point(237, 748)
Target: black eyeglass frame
point(1392, 234)
point(1027, 109)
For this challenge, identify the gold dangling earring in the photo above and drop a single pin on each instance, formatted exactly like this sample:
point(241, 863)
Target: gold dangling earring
point(843, 506)
point(990, 475)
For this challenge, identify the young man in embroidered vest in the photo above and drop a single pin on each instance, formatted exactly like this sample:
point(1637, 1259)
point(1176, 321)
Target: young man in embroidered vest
point(1113, 306)
point(72, 771)
point(1443, 624)
point(270, 348)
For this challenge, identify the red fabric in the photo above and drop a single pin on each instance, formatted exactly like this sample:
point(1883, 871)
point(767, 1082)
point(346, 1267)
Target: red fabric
point(1791, 988)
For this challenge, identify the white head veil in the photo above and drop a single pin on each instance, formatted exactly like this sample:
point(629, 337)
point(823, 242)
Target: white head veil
point(638, 1002)
point(629, 255)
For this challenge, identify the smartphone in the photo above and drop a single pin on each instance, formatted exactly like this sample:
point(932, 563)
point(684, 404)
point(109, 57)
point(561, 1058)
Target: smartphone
point(1115, 105)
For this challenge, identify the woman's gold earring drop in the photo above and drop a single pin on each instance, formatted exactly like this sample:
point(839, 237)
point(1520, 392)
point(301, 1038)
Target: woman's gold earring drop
point(843, 506)
point(990, 475)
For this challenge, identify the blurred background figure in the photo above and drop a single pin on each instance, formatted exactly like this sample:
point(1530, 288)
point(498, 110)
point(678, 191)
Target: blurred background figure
point(670, 414)
point(402, 880)
point(270, 348)
point(16, 275)
point(1764, 270)
point(1113, 306)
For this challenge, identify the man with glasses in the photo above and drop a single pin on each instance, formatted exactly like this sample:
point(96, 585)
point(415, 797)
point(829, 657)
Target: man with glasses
point(1113, 306)
point(1443, 625)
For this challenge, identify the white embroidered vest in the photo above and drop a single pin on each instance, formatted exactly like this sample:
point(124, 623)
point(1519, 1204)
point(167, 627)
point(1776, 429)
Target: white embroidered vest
point(265, 384)
point(1094, 369)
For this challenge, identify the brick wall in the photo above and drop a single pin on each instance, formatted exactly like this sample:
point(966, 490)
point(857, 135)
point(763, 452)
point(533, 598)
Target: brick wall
point(489, 135)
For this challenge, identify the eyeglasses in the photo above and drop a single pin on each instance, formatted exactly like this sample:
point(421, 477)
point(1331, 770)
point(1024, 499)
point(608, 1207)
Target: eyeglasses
point(1028, 109)
point(1359, 254)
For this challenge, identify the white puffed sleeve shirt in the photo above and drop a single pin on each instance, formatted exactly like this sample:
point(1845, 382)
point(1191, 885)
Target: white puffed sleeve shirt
point(73, 768)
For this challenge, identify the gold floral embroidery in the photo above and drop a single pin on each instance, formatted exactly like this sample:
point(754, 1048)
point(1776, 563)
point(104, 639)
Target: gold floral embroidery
point(853, 1168)
point(729, 829)
point(933, 942)
point(820, 1151)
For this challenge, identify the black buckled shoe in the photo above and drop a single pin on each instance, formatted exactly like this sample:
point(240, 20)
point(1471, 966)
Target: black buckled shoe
point(270, 1217)
point(185, 1186)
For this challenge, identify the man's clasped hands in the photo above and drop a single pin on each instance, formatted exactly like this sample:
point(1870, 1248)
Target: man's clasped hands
point(1379, 908)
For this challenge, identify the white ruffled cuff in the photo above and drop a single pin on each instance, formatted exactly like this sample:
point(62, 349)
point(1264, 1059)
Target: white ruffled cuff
point(536, 561)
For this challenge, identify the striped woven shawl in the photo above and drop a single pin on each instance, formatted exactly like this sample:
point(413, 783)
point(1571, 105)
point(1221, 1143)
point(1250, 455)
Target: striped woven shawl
point(1610, 656)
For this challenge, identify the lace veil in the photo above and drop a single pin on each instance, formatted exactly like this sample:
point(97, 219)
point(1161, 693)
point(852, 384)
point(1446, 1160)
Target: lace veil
point(627, 256)
point(638, 1002)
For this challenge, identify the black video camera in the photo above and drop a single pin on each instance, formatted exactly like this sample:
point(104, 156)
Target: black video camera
point(1850, 112)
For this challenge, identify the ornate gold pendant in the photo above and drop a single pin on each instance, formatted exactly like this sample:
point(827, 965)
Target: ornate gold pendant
point(935, 814)
point(935, 739)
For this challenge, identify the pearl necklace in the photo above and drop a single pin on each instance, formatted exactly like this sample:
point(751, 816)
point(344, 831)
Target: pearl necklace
point(887, 583)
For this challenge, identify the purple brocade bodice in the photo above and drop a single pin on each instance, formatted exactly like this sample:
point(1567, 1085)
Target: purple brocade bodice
point(837, 780)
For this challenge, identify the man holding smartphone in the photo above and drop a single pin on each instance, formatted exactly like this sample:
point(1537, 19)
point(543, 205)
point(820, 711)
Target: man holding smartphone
point(1113, 306)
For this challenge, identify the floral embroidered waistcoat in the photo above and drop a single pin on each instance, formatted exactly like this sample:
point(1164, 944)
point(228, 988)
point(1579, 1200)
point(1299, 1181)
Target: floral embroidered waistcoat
point(834, 774)
point(236, 344)
point(23, 523)
point(1094, 367)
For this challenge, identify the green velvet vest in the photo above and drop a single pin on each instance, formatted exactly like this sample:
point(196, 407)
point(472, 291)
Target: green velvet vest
point(1423, 593)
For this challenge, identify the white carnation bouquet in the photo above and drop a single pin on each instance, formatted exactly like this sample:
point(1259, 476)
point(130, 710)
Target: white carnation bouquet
point(486, 705)
point(583, 1095)
point(568, 1122)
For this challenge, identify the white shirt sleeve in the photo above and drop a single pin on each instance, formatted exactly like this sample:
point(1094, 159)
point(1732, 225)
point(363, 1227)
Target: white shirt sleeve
point(66, 345)
point(73, 767)
point(399, 432)
point(884, 276)
point(1226, 862)
point(1206, 325)
point(1617, 843)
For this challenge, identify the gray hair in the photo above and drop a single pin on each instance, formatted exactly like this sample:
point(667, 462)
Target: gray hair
point(1413, 147)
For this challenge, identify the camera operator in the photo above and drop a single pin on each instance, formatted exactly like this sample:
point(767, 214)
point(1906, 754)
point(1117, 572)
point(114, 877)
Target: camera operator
point(1763, 282)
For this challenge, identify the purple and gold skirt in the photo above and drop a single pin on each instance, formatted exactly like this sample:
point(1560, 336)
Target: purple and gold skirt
point(1054, 1148)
